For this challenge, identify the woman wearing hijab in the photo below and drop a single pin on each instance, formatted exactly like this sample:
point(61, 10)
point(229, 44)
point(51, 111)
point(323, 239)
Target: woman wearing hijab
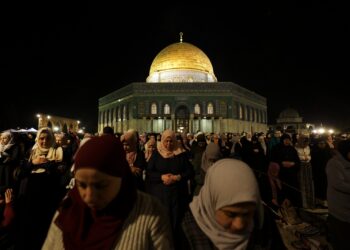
point(287, 157)
point(222, 215)
point(40, 192)
point(211, 154)
point(150, 148)
point(104, 210)
point(134, 156)
point(168, 171)
point(9, 160)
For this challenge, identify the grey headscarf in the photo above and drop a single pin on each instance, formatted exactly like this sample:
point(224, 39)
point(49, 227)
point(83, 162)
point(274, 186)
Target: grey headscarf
point(227, 182)
point(211, 154)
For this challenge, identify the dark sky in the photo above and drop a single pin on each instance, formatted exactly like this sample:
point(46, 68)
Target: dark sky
point(296, 56)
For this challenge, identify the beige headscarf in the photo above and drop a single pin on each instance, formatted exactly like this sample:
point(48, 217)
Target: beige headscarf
point(9, 144)
point(50, 153)
point(148, 151)
point(163, 151)
point(227, 182)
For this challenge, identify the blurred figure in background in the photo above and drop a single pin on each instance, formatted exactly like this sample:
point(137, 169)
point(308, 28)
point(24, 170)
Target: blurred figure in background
point(9, 160)
point(134, 156)
point(338, 196)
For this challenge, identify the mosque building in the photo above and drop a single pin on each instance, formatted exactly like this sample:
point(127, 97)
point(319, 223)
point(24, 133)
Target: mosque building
point(182, 93)
point(290, 121)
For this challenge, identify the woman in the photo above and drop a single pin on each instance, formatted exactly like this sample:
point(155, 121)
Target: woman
point(287, 157)
point(305, 172)
point(104, 210)
point(9, 159)
point(134, 157)
point(150, 148)
point(40, 191)
point(168, 171)
point(222, 215)
point(211, 154)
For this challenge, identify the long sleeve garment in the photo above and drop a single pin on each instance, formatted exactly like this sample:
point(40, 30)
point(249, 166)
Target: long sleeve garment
point(146, 227)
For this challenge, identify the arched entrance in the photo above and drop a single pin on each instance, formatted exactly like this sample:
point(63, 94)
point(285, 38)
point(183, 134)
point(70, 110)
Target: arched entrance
point(182, 115)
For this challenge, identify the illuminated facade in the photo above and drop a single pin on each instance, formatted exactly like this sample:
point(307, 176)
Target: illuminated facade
point(183, 94)
point(57, 123)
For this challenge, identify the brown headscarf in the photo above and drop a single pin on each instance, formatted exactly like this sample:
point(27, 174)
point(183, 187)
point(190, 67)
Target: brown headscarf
point(163, 151)
point(83, 228)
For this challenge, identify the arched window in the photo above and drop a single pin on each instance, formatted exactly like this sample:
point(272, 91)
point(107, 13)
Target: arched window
point(141, 108)
point(154, 108)
point(166, 109)
point(223, 108)
point(49, 124)
point(197, 109)
point(210, 109)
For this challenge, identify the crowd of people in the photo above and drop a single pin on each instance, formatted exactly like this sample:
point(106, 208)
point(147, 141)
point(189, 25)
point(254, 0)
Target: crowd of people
point(168, 190)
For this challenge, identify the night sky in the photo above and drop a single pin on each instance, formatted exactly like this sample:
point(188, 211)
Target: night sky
point(296, 56)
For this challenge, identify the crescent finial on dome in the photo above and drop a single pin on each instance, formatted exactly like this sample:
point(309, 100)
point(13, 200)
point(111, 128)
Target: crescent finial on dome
point(181, 35)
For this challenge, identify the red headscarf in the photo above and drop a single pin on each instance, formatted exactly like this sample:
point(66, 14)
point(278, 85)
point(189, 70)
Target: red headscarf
point(83, 228)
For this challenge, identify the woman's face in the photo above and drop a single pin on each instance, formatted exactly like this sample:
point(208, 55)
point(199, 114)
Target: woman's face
point(97, 189)
point(5, 139)
point(44, 140)
point(126, 146)
point(168, 143)
point(236, 219)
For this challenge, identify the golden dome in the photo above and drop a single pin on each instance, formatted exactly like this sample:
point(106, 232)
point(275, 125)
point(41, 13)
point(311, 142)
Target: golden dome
point(181, 56)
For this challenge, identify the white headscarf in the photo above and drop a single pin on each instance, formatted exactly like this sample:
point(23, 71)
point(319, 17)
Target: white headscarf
point(227, 182)
point(51, 153)
point(9, 144)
